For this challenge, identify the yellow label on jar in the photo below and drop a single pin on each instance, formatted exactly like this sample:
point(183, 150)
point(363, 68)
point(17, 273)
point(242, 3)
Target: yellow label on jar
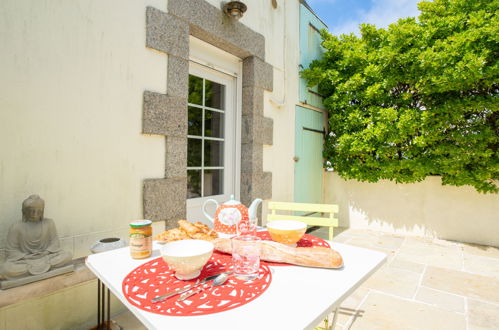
point(140, 245)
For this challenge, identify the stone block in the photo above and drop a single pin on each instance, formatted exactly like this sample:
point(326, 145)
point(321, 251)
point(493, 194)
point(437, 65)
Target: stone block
point(167, 33)
point(255, 185)
point(164, 115)
point(251, 157)
point(250, 127)
point(177, 77)
point(266, 186)
point(211, 25)
point(246, 187)
point(252, 100)
point(176, 157)
point(165, 199)
point(257, 73)
point(256, 129)
point(16, 296)
point(12, 283)
point(268, 131)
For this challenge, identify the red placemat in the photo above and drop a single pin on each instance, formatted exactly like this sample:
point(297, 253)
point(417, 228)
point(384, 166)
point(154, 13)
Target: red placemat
point(306, 241)
point(154, 278)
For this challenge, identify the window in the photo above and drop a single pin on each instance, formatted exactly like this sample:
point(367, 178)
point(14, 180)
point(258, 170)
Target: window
point(206, 138)
point(214, 128)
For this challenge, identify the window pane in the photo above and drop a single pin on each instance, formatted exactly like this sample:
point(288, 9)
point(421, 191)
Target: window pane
point(213, 182)
point(193, 152)
point(195, 121)
point(213, 153)
point(195, 90)
point(214, 124)
point(214, 95)
point(193, 183)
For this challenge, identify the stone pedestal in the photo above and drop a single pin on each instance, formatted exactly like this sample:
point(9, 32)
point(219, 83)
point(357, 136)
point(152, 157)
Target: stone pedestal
point(12, 283)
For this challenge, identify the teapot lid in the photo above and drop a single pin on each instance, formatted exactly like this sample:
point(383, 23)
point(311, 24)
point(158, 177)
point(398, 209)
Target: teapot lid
point(232, 201)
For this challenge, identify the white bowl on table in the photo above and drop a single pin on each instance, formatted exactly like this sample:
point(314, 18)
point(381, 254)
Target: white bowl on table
point(187, 257)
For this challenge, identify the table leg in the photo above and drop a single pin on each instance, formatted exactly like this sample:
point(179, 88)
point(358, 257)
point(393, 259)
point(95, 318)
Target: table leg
point(103, 322)
point(108, 323)
point(335, 317)
point(98, 303)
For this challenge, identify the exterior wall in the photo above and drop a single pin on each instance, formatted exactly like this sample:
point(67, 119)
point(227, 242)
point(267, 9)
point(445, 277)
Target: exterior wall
point(167, 114)
point(280, 28)
point(75, 80)
point(421, 209)
point(72, 308)
point(73, 75)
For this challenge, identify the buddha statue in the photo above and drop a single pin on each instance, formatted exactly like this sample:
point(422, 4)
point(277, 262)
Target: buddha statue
point(32, 245)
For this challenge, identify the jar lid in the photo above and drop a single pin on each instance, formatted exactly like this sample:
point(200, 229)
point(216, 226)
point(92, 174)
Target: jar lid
point(140, 223)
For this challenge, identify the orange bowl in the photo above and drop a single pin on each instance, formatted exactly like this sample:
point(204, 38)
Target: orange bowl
point(286, 231)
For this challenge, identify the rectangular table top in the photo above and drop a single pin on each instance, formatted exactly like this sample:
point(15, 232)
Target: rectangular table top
point(297, 298)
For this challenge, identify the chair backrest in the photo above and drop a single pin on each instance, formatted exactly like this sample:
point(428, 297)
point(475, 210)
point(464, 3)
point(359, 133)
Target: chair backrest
point(330, 221)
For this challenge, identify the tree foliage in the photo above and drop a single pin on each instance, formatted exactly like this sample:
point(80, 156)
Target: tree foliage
point(416, 99)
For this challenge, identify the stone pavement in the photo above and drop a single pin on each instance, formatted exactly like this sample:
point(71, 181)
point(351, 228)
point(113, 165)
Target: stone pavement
point(425, 284)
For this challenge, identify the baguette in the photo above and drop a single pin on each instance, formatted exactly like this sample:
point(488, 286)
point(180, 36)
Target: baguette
point(321, 257)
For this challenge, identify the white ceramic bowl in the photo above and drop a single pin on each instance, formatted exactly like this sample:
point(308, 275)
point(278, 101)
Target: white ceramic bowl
point(286, 231)
point(187, 257)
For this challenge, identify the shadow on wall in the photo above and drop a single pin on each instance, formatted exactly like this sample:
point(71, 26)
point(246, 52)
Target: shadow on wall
point(422, 209)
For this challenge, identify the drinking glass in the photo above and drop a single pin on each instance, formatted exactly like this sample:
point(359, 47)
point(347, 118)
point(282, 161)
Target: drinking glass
point(246, 256)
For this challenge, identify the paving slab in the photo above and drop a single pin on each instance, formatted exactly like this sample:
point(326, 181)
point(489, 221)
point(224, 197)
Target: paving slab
point(462, 283)
point(437, 255)
point(386, 312)
point(481, 265)
point(482, 315)
point(349, 308)
point(394, 281)
point(406, 263)
point(443, 300)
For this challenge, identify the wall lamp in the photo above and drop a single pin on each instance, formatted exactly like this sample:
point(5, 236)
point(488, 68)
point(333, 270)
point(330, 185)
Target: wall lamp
point(234, 9)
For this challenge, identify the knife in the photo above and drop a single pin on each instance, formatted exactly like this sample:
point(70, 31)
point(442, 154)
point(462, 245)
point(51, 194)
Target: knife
point(187, 288)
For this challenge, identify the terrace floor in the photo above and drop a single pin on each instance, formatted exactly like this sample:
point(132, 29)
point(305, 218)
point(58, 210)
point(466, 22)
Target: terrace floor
point(425, 284)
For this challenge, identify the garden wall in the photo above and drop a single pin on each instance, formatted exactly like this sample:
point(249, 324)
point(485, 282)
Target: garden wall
point(422, 209)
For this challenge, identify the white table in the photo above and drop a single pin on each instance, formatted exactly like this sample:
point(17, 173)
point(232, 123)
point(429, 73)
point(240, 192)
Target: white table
point(297, 298)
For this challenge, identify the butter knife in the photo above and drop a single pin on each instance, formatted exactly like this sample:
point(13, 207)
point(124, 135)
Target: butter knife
point(185, 289)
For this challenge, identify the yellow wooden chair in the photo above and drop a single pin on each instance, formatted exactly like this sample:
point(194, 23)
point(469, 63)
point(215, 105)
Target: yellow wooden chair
point(330, 221)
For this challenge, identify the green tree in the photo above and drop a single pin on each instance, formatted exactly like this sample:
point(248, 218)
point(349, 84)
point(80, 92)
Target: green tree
point(416, 99)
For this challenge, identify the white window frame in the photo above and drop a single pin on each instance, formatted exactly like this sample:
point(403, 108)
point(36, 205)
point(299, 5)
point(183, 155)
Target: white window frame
point(211, 63)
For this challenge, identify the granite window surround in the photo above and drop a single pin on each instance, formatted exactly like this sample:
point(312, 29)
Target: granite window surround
point(166, 114)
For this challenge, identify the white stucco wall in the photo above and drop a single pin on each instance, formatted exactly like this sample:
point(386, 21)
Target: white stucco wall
point(73, 76)
point(72, 79)
point(421, 209)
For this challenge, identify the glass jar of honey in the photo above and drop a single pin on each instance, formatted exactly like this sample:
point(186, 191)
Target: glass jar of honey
point(141, 239)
